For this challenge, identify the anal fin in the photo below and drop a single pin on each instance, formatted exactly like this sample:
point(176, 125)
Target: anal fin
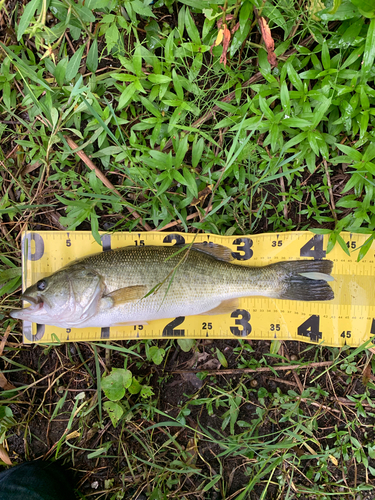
point(225, 307)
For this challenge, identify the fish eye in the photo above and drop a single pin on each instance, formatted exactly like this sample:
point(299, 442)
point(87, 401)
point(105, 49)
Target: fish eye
point(41, 285)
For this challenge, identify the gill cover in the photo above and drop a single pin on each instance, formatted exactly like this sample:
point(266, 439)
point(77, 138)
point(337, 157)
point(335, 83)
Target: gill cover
point(67, 298)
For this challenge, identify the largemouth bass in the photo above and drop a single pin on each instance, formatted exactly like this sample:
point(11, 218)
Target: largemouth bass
point(133, 285)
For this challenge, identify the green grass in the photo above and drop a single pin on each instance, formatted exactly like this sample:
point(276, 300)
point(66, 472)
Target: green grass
point(169, 137)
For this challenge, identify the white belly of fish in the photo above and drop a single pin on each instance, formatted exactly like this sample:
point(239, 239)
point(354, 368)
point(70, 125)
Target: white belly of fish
point(137, 314)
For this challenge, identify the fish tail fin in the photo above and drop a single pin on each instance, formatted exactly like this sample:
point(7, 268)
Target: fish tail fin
point(306, 280)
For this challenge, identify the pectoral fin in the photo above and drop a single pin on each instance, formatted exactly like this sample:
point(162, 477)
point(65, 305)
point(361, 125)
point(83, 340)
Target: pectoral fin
point(220, 252)
point(225, 307)
point(318, 276)
point(127, 294)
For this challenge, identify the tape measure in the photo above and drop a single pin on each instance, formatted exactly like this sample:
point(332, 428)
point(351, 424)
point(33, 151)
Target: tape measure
point(348, 319)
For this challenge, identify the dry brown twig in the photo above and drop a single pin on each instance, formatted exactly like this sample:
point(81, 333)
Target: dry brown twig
point(258, 370)
point(86, 160)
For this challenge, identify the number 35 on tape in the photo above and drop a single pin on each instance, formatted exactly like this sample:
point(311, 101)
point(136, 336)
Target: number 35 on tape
point(347, 319)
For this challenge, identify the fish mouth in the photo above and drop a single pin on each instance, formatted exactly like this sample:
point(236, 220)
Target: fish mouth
point(37, 303)
point(32, 300)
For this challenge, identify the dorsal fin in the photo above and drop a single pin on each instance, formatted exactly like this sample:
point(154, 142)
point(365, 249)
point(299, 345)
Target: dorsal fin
point(220, 252)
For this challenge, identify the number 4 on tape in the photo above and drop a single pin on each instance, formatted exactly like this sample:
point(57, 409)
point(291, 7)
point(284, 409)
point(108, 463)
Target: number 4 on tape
point(310, 328)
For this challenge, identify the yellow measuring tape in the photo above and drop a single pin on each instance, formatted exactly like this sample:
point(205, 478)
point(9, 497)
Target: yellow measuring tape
point(347, 319)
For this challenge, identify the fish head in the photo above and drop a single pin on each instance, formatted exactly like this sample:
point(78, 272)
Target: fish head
point(67, 298)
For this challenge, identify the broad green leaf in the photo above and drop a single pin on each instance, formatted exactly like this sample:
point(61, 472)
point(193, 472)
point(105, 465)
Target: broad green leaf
point(74, 63)
point(142, 9)
point(6, 94)
point(365, 248)
point(135, 386)
point(369, 53)
point(207, 26)
point(353, 57)
point(151, 108)
point(186, 344)
point(163, 160)
point(169, 48)
point(195, 67)
point(365, 7)
point(109, 151)
point(179, 177)
point(181, 151)
point(331, 241)
point(197, 4)
point(245, 14)
point(294, 77)
point(369, 154)
point(112, 36)
point(54, 116)
point(92, 56)
point(197, 151)
point(354, 180)
point(96, 4)
point(100, 451)
point(26, 17)
point(177, 85)
point(265, 108)
point(115, 384)
point(191, 28)
point(137, 61)
point(156, 354)
point(10, 286)
point(221, 358)
point(209, 485)
point(341, 242)
point(274, 15)
point(297, 122)
point(60, 71)
point(326, 58)
point(164, 186)
point(313, 143)
point(126, 96)
point(84, 13)
point(123, 77)
point(146, 391)
point(345, 11)
point(238, 38)
point(320, 111)
point(114, 410)
point(295, 140)
point(190, 182)
point(285, 100)
point(275, 346)
point(158, 79)
point(351, 152)
point(335, 6)
point(24, 70)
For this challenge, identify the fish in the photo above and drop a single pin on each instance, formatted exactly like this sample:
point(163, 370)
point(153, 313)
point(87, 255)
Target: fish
point(136, 284)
